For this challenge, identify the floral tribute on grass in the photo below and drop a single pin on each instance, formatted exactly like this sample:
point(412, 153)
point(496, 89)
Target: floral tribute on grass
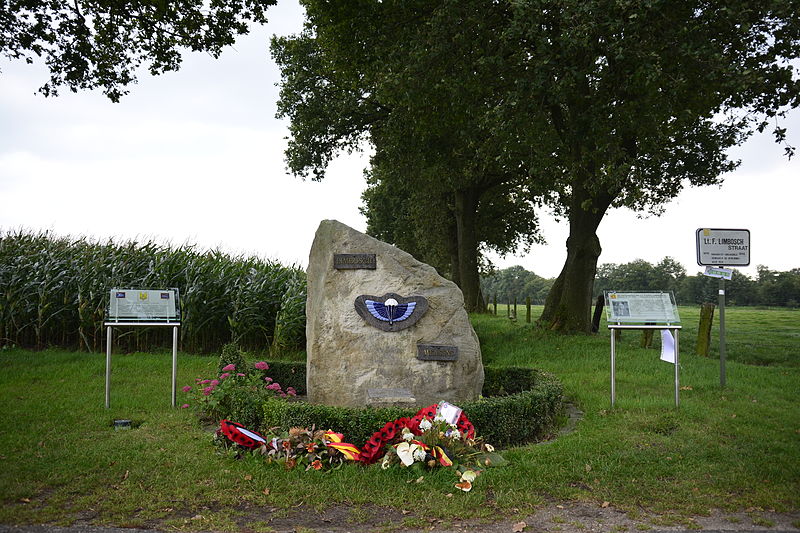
point(437, 436)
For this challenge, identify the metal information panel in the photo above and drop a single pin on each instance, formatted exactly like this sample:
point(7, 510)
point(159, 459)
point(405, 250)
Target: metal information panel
point(723, 247)
point(144, 308)
point(133, 305)
point(644, 310)
point(641, 307)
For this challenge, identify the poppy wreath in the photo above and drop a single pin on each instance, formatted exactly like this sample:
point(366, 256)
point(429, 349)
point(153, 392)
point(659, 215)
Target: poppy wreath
point(374, 447)
point(240, 434)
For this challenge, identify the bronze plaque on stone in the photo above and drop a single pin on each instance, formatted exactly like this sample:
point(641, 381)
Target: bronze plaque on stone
point(436, 352)
point(354, 261)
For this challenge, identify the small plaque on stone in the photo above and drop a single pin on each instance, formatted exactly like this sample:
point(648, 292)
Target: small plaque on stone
point(390, 398)
point(437, 352)
point(354, 261)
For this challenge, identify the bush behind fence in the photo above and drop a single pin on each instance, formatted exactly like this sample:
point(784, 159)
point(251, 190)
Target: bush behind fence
point(54, 292)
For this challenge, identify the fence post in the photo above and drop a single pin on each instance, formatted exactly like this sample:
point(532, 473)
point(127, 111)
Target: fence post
point(528, 309)
point(704, 329)
point(515, 307)
point(598, 313)
point(647, 336)
point(495, 304)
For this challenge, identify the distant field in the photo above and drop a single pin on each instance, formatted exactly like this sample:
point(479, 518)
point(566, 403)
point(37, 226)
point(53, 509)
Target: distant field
point(754, 336)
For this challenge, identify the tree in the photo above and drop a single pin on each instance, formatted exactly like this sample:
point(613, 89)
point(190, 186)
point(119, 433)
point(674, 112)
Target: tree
point(632, 101)
point(403, 75)
point(100, 44)
point(591, 104)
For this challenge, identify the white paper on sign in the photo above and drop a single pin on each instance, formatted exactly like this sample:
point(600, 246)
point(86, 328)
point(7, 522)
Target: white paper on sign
point(667, 346)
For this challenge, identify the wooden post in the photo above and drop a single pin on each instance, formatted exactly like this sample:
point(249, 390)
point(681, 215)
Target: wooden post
point(704, 329)
point(647, 337)
point(508, 306)
point(528, 309)
point(515, 307)
point(598, 313)
point(495, 304)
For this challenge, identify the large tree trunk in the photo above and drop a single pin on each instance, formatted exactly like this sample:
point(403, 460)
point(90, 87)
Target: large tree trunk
point(568, 305)
point(466, 209)
point(452, 252)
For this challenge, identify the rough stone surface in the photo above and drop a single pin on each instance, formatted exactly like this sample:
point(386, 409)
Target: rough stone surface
point(347, 356)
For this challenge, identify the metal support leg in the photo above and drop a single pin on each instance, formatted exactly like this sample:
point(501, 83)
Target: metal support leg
point(677, 369)
point(174, 362)
point(108, 367)
point(613, 365)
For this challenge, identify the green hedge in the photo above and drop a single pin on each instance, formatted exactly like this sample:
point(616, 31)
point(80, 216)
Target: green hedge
point(289, 374)
point(505, 420)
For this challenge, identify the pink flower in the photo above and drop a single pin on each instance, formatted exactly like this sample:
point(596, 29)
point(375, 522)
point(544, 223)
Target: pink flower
point(262, 365)
point(214, 382)
point(224, 376)
point(274, 386)
point(184, 406)
point(198, 380)
point(283, 395)
point(187, 388)
point(229, 368)
point(205, 382)
point(291, 392)
point(240, 374)
point(268, 379)
point(207, 391)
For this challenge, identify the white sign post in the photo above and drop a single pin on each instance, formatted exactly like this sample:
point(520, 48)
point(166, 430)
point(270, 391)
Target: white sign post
point(136, 307)
point(720, 248)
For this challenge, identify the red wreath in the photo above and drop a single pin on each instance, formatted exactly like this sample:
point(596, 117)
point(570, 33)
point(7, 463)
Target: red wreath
point(373, 449)
point(241, 435)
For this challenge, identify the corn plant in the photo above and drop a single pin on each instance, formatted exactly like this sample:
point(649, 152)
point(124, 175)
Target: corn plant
point(54, 292)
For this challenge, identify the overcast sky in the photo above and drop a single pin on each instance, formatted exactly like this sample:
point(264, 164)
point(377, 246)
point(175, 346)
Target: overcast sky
point(197, 157)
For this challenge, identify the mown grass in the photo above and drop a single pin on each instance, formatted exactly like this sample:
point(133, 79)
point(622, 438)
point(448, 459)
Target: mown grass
point(737, 448)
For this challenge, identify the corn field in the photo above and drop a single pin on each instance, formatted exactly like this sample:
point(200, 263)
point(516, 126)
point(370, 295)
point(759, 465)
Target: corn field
point(54, 292)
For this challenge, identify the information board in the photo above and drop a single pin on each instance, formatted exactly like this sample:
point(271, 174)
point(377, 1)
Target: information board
point(136, 305)
point(723, 247)
point(641, 307)
point(719, 272)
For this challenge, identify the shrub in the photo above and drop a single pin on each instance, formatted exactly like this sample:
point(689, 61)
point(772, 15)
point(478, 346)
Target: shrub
point(232, 355)
point(507, 420)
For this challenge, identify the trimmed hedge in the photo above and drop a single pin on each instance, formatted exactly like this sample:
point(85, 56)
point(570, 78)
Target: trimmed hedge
point(522, 405)
point(289, 374)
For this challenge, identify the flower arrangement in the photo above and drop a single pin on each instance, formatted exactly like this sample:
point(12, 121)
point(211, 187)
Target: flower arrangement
point(311, 449)
point(210, 395)
point(438, 436)
point(438, 442)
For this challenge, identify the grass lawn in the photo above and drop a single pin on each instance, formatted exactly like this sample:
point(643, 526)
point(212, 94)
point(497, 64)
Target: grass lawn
point(733, 449)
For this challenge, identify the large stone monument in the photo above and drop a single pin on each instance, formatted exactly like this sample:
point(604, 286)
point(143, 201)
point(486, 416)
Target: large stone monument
point(384, 328)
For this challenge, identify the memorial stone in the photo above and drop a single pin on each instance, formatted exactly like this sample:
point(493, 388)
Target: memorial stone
point(358, 358)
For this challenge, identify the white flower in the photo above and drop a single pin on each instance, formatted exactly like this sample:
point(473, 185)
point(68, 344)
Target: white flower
point(425, 425)
point(438, 418)
point(407, 435)
point(469, 475)
point(386, 463)
point(489, 448)
point(419, 454)
point(405, 452)
point(454, 433)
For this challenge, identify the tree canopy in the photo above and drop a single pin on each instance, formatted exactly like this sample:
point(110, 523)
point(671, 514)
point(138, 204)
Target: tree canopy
point(414, 92)
point(587, 105)
point(100, 44)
